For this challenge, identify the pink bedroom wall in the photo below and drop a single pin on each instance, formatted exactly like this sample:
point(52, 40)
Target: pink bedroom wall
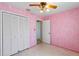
point(32, 20)
point(65, 29)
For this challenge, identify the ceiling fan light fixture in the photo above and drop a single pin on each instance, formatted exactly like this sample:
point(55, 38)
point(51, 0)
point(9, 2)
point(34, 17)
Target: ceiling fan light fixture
point(44, 6)
point(47, 10)
point(41, 11)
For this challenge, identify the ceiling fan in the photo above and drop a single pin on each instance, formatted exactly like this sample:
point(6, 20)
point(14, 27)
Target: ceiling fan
point(44, 6)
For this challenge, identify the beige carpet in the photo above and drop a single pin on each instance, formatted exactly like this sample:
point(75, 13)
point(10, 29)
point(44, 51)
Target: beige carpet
point(46, 50)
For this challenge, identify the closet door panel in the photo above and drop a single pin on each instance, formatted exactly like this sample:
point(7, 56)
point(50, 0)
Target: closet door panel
point(6, 34)
point(26, 33)
point(14, 32)
point(20, 41)
point(10, 34)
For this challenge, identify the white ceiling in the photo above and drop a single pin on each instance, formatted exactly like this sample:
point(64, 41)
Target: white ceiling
point(62, 6)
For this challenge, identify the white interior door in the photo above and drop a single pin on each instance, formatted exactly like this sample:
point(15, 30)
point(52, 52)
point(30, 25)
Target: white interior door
point(6, 34)
point(20, 40)
point(10, 34)
point(46, 31)
point(14, 33)
point(26, 33)
point(23, 33)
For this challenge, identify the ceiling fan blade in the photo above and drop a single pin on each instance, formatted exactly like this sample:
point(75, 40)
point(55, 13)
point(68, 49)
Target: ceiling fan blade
point(34, 4)
point(51, 6)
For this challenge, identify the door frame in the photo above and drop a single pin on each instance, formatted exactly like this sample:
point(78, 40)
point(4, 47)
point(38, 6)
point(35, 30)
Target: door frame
point(40, 29)
point(50, 32)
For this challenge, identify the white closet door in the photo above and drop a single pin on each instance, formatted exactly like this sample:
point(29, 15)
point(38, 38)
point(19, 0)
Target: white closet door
point(14, 33)
point(10, 34)
point(20, 40)
point(24, 33)
point(6, 34)
point(46, 31)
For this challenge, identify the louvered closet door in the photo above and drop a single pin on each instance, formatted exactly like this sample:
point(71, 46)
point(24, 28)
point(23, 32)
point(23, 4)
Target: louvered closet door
point(7, 34)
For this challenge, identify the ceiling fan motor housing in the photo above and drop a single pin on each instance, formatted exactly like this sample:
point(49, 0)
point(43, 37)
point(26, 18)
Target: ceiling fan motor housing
point(42, 5)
